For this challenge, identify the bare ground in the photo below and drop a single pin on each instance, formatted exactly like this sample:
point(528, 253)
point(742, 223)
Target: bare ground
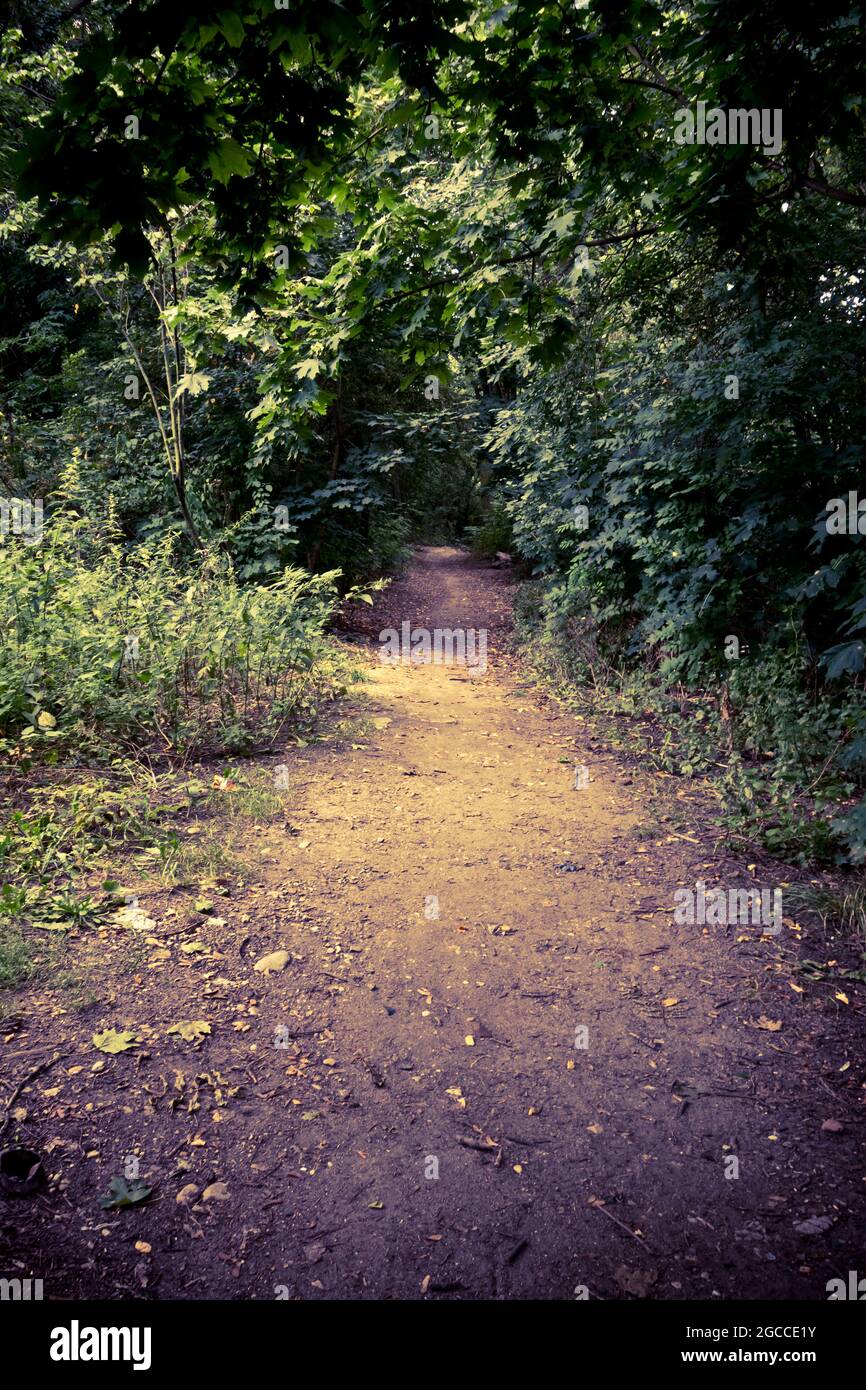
point(430, 1124)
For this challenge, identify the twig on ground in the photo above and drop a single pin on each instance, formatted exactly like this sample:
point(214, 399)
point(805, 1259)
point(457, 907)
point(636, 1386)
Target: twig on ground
point(37, 1070)
point(599, 1206)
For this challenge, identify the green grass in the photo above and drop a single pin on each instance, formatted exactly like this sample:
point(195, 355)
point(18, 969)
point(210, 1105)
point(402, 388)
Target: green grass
point(841, 908)
point(17, 956)
point(179, 861)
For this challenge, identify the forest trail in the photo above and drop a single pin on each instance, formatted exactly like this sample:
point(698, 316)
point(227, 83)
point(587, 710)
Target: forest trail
point(432, 1121)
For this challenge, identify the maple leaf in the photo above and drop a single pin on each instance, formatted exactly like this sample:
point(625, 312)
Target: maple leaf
point(113, 1042)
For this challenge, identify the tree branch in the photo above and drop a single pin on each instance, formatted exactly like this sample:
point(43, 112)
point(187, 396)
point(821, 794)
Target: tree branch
point(841, 195)
point(611, 240)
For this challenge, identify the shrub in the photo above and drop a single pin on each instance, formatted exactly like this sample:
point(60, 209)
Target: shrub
point(108, 644)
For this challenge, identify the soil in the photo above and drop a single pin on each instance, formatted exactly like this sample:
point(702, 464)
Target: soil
point(409, 1108)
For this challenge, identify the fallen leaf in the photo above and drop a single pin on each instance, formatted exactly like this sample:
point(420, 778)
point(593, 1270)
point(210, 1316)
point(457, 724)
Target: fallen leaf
point(125, 1194)
point(216, 1192)
point(814, 1225)
point(637, 1282)
point(192, 1030)
point(113, 1042)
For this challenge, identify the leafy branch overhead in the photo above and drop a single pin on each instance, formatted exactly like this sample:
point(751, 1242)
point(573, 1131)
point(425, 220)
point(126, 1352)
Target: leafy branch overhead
point(290, 287)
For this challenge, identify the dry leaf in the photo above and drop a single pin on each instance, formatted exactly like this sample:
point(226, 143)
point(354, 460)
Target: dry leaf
point(217, 1192)
point(113, 1042)
point(814, 1225)
point(193, 1030)
point(637, 1282)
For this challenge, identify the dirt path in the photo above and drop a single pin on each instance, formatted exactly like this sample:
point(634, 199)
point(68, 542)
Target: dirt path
point(433, 1121)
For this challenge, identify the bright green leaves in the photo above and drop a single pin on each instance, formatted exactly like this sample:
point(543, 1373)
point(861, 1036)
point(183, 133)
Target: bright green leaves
point(192, 382)
point(309, 368)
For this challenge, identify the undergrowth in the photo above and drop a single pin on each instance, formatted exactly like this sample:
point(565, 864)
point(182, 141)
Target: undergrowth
point(760, 746)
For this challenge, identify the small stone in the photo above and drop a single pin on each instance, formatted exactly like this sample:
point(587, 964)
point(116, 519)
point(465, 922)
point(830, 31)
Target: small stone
point(277, 960)
point(217, 1192)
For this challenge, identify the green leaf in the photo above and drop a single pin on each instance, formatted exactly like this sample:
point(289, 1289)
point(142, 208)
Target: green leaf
point(193, 382)
point(123, 1193)
point(227, 159)
point(193, 1030)
point(113, 1042)
point(231, 26)
point(309, 367)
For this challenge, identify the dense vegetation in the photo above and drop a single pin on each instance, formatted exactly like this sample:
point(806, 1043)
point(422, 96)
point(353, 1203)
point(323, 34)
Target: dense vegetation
point(286, 287)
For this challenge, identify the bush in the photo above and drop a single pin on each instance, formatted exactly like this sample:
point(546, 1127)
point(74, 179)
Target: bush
point(104, 644)
point(494, 532)
point(787, 761)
